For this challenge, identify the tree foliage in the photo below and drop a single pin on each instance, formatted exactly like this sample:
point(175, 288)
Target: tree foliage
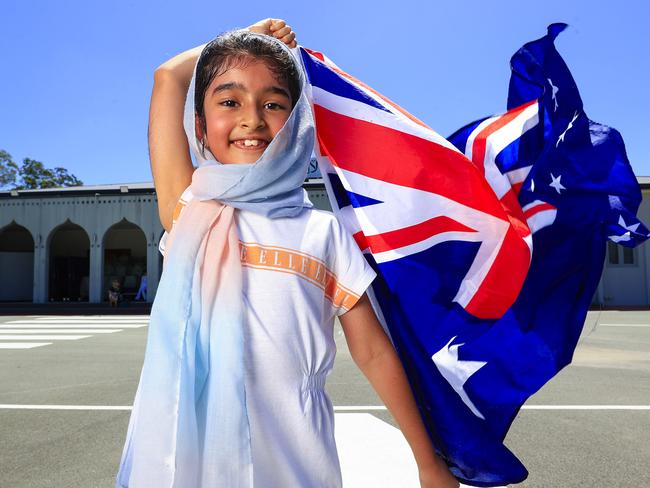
point(32, 175)
point(8, 170)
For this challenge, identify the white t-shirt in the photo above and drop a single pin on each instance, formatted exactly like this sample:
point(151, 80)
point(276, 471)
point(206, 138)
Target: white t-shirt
point(298, 273)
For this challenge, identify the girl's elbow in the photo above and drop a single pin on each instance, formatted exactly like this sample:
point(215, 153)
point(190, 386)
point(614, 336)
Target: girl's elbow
point(161, 74)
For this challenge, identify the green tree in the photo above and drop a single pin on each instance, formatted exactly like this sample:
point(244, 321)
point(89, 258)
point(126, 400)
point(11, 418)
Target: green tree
point(32, 175)
point(8, 170)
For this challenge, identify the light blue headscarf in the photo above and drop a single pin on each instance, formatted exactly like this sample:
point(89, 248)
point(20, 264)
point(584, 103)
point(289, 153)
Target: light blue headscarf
point(189, 425)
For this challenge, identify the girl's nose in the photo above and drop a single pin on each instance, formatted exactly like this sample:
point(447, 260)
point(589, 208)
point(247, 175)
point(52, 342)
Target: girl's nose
point(252, 118)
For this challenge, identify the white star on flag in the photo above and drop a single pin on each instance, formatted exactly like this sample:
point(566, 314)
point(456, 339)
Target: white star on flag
point(555, 90)
point(555, 183)
point(457, 371)
point(624, 238)
point(570, 126)
point(632, 227)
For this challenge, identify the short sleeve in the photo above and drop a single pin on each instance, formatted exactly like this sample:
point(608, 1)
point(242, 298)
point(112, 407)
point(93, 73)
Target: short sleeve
point(186, 196)
point(349, 265)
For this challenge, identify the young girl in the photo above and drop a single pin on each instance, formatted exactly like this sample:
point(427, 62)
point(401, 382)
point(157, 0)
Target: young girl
point(241, 333)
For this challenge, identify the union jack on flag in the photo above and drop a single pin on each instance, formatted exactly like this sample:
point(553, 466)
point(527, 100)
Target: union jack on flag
point(496, 145)
point(401, 188)
point(488, 247)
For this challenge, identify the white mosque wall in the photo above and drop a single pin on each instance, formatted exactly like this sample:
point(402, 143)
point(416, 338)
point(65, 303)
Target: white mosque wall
point(95, 214)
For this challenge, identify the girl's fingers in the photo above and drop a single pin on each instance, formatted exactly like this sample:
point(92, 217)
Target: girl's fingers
point(280, 33)
point(279, 29)
point(277, 24)
point(289, 39)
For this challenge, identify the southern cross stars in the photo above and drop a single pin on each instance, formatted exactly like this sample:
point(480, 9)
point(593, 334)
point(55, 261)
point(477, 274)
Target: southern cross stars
point(570, 126)
point(627, 236)
point(555, 183)
point(554, 94)
point(632, 227)
point(624, 238)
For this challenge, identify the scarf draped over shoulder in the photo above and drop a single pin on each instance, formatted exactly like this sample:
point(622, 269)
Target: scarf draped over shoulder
point(189, 425)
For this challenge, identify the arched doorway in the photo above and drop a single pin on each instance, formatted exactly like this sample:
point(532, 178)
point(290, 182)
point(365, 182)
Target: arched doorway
point(69, 263)
point(16, 263)
point(125, 258)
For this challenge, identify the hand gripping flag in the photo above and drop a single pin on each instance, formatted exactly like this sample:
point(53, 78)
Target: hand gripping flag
point(452, 238)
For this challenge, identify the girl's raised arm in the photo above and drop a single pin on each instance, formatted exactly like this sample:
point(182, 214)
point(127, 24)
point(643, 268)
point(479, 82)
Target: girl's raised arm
point(169, 152)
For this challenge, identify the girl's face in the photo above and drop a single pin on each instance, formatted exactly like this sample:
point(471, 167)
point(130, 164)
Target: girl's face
point(244, 108)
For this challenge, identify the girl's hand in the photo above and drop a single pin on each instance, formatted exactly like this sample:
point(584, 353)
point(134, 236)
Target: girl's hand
point(277, 28)
point(437, 476)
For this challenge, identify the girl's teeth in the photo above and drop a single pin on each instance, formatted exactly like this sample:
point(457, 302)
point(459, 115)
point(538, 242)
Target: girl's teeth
point(251, 142)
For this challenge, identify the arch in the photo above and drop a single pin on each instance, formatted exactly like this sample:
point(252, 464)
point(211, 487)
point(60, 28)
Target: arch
point(17, 263)
point(68, 263)
point(125, 258)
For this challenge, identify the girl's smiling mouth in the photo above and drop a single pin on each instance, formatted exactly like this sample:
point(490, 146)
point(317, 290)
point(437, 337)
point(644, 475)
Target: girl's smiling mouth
point(250, 144)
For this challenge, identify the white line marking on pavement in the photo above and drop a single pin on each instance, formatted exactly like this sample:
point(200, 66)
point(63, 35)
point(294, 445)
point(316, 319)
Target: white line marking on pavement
point(22, 345)
point(586, 407)
point(41, 325)
point(525, 407)
point(58, 331)
point(623, 325)
point(65, 407)
point(336, 409)
point(373, 453)
point(84, 318)
point(78, 319)
point(50, 337)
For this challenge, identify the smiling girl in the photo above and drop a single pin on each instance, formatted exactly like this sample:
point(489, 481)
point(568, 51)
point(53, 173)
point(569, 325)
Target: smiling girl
point(241, 334)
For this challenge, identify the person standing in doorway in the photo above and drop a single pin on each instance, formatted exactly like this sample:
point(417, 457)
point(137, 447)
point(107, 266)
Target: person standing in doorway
point(142, 291)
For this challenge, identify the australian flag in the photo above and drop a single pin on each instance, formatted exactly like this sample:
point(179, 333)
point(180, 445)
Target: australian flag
point(488, 251)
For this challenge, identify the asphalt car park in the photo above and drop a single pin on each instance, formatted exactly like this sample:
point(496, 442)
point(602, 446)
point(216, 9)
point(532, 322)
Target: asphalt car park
point(65, 403)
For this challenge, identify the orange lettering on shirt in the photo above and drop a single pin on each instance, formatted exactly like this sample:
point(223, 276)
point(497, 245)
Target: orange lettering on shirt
point(242, 252)
point(311, 269)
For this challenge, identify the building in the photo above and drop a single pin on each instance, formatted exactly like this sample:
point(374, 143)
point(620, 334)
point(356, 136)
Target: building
point(70, 244)
point(626, 274)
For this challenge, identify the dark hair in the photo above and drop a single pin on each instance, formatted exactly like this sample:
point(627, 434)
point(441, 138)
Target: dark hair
point(238, 48)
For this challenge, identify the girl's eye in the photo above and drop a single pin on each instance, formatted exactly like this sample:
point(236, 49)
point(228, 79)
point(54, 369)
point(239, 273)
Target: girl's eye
point(273, 106)
point(228, 103)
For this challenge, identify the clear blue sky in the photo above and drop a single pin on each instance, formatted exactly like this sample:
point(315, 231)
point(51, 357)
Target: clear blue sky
point(77, 75)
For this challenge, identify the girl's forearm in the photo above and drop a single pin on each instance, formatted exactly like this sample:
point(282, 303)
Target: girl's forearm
point(179, 68)
point(385, 373)
point(375, 356)
point(387, 376)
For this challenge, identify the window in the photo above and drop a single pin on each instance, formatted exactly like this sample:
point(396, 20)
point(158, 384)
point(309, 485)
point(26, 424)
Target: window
point(619, 255)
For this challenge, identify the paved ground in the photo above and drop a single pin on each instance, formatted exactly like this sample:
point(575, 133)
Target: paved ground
point(562, 447)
